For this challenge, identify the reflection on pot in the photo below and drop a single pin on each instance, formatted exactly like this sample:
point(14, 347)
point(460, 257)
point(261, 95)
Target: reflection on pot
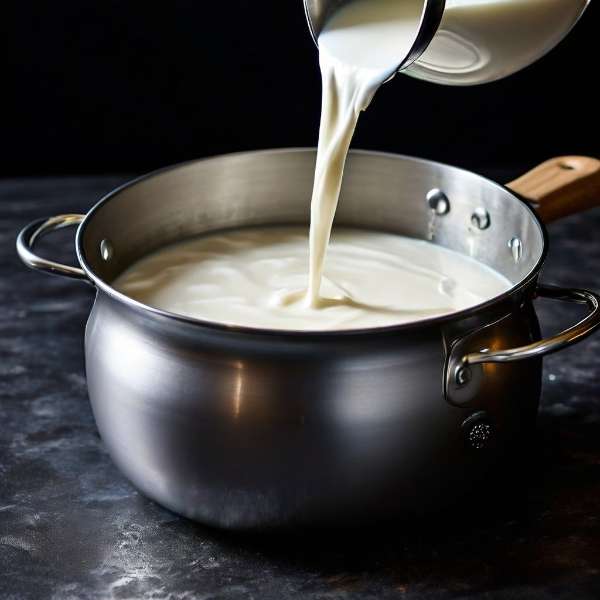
point(452, 53)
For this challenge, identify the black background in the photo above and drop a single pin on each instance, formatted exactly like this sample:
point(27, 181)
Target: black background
point(95, 87)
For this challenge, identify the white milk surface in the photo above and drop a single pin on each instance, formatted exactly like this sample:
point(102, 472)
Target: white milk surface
point(246, 276)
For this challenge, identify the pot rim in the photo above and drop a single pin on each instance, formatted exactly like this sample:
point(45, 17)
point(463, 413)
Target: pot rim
point(248, 330)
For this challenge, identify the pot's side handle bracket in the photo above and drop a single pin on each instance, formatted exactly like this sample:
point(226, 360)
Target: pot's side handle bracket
point(36, 230)
point(464, 373)
point(561, 186)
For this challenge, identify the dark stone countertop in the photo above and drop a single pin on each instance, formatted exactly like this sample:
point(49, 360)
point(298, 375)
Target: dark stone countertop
point(72, 527)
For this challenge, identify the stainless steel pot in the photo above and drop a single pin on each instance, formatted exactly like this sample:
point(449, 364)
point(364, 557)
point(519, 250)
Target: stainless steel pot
point(248, 428)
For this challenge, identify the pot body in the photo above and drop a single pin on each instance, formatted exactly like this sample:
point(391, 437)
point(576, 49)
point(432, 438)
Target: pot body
point(245, 428)
point(259, 431)
point(249, 429)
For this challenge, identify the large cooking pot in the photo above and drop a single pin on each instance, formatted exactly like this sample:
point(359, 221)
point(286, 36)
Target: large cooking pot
point(245, 428)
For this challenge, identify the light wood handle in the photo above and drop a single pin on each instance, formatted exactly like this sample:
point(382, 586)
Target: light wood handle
point(561, 186)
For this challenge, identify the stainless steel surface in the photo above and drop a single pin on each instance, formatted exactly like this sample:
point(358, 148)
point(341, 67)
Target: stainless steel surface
point(318, 11)
point(248, 428)
point(38, 229)
point(432, 32)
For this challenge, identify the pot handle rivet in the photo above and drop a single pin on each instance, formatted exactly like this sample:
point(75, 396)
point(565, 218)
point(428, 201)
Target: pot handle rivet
point(106, 250)
point(462, 375)
point(516, 248)
point(438, 201)
point(481, 218)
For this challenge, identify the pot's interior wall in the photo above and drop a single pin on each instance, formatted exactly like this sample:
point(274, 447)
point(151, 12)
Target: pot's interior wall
point(383, 192)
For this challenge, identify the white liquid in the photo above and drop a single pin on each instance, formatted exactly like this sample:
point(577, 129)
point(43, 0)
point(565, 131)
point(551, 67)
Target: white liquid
point(360, 47)
point(246, 277)
point(483, 40)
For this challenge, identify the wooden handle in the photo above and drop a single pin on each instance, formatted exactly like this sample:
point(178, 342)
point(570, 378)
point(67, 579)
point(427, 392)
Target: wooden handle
point(561, 186)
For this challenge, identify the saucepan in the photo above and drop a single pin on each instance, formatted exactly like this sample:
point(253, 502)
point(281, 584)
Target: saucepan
point(247, 428)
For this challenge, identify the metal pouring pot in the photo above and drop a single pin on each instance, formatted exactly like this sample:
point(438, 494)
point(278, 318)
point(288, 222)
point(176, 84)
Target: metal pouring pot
point(247, 428)
point(458, 44)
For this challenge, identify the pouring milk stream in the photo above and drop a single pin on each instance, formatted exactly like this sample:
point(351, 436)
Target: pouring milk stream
point(257, 277)
point(358, 51)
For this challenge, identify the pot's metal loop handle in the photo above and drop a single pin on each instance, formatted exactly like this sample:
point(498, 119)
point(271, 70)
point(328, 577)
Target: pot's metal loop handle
point(552, 344)
point(32, 232)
